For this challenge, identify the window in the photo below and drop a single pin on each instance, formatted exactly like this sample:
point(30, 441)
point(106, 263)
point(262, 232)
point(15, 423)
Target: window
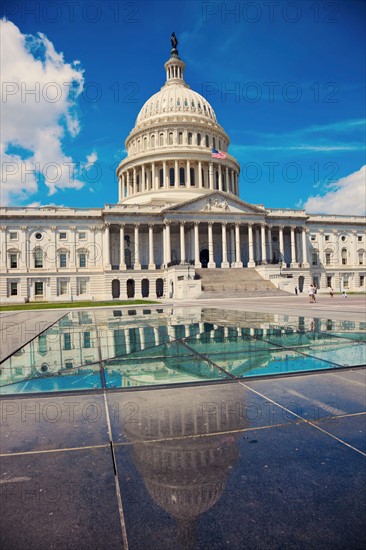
point(38, 236)
point(207, 141)
point(180, 138)
point(359, 238)
point(68, 365)
point(161, 177)
point(329, 281)
point(314, 258)
point(362, 280)
point(181, 176)
point(13, 261)
point(198, 139)
point(343, 238)
point(193, 182)
point(63, 235)
point(345, 281)
point(327, 258)
point(152, 141)
point(360, 257)
point(171, 177)
point(13, 235)
point(82, 284)
point(38, 289)
point(189, 138)
point(214, 143)
point(313, 237)
point(63, 259)
point(13, 289)
point(82, 259)
point(38, 258)
point(161, 139)
point(170, 138)
point(63, 287)
point(67, 341)
point(344, 256)
point(82, 236)
point(327, 237)
point(86, 340)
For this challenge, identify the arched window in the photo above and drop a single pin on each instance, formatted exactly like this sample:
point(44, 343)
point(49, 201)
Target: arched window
point(344, 256)
point(170, 138)
point(180, 138)
point(189, 138)
point(361, 257)
point(193, 173)
point(161, 139)
point(145, 143)
point(161, 177)
point(139, 144)
point(214, 143)
point(198, 139)
point(181, 176)
point(171, 177)
point(153, 141)
point(207, 141)
point(38, 257)
point(145, 286)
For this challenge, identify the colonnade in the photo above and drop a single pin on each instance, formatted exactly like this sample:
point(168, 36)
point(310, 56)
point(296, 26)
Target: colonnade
point(259, 243)
point(168, 174)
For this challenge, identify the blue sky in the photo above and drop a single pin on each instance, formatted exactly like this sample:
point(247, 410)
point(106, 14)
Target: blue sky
point(286, 80)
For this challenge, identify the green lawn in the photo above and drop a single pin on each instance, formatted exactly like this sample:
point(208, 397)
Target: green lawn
point(69, 305)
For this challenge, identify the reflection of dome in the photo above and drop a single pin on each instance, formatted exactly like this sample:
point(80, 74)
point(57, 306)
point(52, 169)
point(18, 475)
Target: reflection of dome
point(184, 449)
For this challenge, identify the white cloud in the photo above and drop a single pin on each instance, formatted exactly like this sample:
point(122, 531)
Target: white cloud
point(34, 125)
point(345, 196)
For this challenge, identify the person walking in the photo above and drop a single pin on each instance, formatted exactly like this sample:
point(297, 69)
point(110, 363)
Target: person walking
point(311, 294)
point(331, 292)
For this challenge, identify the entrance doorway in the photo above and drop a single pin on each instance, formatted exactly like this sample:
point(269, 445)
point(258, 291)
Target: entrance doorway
point(204, 257)
point(159, 288)
point(130, 288)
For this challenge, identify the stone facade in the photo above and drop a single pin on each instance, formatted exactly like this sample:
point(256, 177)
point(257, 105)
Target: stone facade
point(178, 210)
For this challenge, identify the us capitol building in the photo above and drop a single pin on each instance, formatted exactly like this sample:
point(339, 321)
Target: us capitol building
point(178, 211)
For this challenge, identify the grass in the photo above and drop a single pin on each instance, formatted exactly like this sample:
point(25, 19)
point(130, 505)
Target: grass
point(69, 305)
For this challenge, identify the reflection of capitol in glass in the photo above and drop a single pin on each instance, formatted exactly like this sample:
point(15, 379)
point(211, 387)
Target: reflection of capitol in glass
point(156, 346)
point(184, 468)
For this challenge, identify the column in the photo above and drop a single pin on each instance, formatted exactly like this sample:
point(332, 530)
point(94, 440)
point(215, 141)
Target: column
point(305, 262)
point(106, 248)
point(224, 263)
point(182, 244)
point(232, 246)
point(220, 177)
point(293, 248)
point(167, 244)
point(128, 183)
point(200, 174)
point(134, 181)
point(154, 182)
point(151, 247)
point(210, 175)
point(197, 262)
point(211, 260)
point(122, 262)
point(282, 250)
point(142, 183)
point(263, 243)
point(251, 262)
point(176, 174)
point(188, 177)
point(136, 264)
point(238, 262)
point(270, 250)
point(164, 173)
point(227, 185)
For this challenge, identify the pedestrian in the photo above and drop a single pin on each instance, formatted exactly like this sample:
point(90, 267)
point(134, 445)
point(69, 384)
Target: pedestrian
point(296, 290)
point(331, 292)
point(345, 294)
point(315, 291)
point(311, 294)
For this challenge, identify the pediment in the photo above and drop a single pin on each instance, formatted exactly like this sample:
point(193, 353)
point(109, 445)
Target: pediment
point(216, 203)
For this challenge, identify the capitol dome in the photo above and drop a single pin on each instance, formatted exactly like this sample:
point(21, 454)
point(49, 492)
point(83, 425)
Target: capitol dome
point(170, 149)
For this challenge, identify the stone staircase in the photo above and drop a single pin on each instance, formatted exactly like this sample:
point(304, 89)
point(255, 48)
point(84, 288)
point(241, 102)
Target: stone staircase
point(217, 283)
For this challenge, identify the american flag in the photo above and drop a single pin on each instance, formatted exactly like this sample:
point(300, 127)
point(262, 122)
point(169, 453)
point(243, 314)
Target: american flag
point(216, 154)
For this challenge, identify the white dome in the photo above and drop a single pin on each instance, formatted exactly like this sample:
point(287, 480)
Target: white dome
point(175, 99)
